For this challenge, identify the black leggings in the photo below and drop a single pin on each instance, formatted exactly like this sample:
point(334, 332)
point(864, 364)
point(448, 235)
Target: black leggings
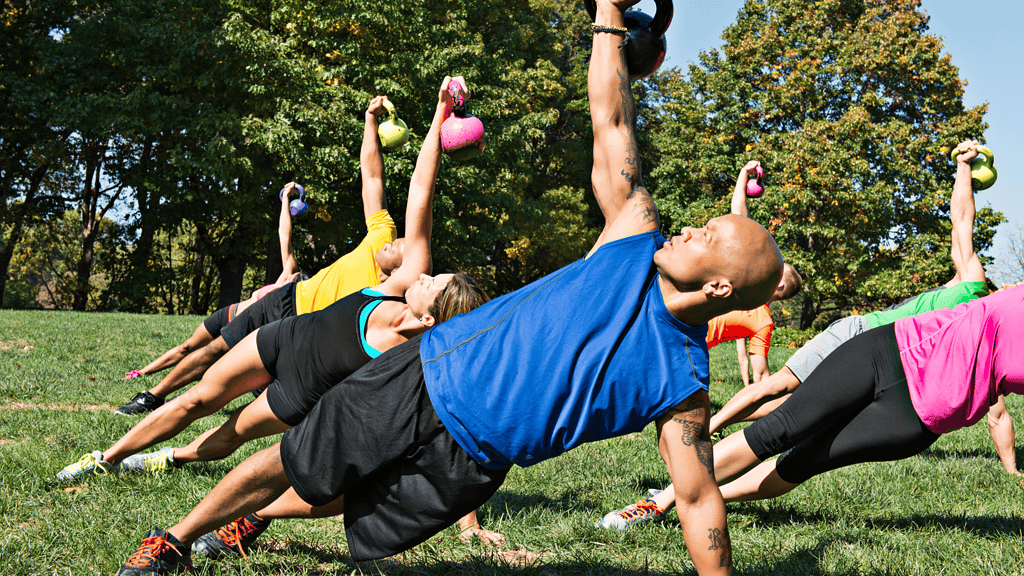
point(855, 407)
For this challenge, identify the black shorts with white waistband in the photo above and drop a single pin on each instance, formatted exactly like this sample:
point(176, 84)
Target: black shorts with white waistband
point(376, 439)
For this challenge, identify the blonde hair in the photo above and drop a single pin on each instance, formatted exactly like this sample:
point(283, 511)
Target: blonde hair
point(461, 295)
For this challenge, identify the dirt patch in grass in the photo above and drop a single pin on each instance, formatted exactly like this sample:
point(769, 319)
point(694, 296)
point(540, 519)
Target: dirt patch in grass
point(12, 344)
point(59, 407)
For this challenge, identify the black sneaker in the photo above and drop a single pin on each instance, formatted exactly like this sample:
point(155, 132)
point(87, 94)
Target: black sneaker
point(160, 553)
point(233, 538)
point(142, 402)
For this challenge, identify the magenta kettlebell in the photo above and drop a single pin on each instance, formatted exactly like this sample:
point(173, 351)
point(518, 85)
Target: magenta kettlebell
point(296, 207)
point(462, 135)
point(754, 185)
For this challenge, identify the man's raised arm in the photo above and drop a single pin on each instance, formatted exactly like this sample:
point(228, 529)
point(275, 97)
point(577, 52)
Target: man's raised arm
point(616, 176)
point(371, 161)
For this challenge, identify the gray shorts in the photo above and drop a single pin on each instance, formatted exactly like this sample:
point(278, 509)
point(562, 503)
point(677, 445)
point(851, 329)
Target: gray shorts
point(811, 354)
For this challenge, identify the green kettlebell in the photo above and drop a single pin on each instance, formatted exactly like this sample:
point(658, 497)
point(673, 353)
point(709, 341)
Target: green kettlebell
point(983, 171)
point(393, 132)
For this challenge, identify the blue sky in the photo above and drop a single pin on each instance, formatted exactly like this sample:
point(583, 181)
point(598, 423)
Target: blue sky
point(986, 43)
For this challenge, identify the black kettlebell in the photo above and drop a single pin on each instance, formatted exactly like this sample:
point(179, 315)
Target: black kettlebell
point(645, 37)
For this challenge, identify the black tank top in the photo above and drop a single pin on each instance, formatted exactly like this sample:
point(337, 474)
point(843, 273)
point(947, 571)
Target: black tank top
point(315, 351)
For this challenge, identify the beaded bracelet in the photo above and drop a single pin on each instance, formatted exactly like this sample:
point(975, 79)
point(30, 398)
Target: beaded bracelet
point(609, 29)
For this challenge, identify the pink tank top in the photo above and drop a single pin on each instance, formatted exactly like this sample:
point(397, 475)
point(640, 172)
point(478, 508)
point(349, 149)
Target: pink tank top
point(265, 290)
point(958, 361)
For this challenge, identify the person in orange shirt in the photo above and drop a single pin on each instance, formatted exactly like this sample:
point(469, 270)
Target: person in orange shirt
point(372, 261)
point(743, 325)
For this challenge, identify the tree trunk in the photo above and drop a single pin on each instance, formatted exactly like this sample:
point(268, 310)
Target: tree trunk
point(19, 213)
point(195, 294)
point(231, 270)
point(808, 312)
point(273, 261)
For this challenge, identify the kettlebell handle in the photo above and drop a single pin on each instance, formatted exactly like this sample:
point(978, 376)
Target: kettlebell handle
point(664, 10)
point(392, 112)
point(302, 192)
point(662, 17)
point(983, 150)
point(457, 91)
point(988, 154)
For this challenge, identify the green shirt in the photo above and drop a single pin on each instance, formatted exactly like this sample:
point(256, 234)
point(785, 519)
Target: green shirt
point(928, 301)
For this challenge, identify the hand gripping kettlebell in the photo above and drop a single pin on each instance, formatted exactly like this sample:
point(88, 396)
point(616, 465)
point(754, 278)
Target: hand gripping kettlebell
point(754, 185)
point(462, 135)
point(645, 37)
point(983, 171)
point(393, 132)
point(296, 207)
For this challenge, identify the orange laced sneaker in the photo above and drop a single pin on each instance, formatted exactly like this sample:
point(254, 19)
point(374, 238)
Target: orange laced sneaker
point(642, 512)
point(160, 553)
point(233, 539)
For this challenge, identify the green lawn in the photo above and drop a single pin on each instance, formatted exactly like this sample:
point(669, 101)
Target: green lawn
point(950, 511)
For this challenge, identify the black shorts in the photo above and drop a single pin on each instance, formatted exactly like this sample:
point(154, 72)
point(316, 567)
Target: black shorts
point(274, 306)
point(376, 439)
point(216, 322)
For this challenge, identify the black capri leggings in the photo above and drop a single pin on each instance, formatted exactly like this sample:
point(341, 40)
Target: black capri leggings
point(855, 407)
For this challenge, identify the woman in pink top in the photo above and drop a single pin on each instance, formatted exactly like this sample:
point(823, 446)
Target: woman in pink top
point(889, 395)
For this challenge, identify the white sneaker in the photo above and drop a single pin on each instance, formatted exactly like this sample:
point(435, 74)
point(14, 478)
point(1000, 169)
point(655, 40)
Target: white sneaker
point(92, 462)
point(153, 462)
point(633, 515)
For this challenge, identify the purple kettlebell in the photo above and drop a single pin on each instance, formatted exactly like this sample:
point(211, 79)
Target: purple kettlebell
point(296, 207)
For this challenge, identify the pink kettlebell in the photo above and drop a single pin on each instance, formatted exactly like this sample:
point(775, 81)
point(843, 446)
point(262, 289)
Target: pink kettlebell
point(462, 135)
point(754, 186)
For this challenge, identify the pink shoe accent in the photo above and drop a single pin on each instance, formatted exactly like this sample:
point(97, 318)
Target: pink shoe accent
point(132, 374)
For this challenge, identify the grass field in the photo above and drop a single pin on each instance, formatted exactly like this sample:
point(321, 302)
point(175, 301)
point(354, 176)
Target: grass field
point(949, 511)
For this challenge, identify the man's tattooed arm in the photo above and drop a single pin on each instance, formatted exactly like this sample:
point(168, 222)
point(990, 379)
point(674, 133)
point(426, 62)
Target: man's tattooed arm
point(648, 212)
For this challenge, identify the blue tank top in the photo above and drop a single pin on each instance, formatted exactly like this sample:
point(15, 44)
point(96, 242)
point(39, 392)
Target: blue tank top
point(586, 353)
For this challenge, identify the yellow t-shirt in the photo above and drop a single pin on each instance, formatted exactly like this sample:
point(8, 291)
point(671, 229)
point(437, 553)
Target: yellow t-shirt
point(354, 271)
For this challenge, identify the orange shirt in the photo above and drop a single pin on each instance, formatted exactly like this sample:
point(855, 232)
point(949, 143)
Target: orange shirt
point(354, 271)
point(754, 324)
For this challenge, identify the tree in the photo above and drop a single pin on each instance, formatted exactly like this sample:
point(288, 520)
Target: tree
point(852, 109)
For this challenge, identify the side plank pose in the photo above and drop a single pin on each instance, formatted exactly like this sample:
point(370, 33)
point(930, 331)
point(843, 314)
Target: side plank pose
point(967, 284)
point(757, 400)
point(373, 260)
point(301, 357)
point(737, 325)
point(464, 400)
point(211, 327)
point(885, 395)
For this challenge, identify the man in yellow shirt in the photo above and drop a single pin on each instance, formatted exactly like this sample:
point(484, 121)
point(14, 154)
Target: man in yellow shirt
point(369, 264)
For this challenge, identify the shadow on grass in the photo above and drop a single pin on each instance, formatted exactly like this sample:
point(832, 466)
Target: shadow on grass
point(803, 562)
point(987, 525)
point(940, 454)
point(570, 501)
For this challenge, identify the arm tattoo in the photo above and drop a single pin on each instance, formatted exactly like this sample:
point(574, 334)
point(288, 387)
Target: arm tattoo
point(696, 434)
point(692, 416)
